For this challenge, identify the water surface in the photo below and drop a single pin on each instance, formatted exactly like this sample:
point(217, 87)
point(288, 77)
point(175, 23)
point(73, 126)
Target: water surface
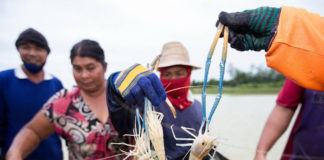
point(239, 120)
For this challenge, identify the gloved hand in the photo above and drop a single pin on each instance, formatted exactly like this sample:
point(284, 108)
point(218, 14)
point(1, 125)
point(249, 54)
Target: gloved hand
point(251, 29)
point(136, 82)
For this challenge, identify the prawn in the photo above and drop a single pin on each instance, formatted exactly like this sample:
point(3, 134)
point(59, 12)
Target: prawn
point(155, 131)
point(206, 140)
point(201, 145)
point(141, 150)
point(152, 132)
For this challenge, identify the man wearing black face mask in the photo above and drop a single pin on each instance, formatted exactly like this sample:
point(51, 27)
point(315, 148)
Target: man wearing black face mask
point(24, 90)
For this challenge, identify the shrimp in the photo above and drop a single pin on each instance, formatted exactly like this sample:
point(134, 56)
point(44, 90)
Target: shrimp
point(153, 120)
point(206, 141)
point(141, 150)
point(201, 145)
point(150, 132)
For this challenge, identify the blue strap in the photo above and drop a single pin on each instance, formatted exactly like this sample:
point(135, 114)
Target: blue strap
point(221, 79)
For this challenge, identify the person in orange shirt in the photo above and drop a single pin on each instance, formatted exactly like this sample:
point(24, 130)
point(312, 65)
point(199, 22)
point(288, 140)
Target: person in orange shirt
point(294, 41)
point(292, 37)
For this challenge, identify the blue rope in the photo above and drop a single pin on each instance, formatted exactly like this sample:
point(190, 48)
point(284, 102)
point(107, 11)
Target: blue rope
point(137, 116)
point(144, 123)
point(220, 88)
point(144, 115)
point(203, 93)
point(219, 96)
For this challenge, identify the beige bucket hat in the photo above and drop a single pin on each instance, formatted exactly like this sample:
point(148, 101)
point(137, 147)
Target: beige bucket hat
point(174, 53)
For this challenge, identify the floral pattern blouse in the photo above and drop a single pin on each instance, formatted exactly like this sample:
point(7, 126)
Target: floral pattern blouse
point(86, 137)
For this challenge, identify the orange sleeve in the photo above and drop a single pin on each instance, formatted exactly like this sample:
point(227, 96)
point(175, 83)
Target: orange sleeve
point(297, 50)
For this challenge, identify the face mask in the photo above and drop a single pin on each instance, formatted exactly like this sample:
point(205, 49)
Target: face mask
point(176, 87)
point(177, 90)
point(33, 68)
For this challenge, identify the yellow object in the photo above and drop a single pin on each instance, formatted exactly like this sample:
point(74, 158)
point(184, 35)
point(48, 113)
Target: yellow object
point(130, 78)
point(297, 50)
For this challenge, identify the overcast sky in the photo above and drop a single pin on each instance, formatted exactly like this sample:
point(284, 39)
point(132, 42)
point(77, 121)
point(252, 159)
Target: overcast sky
point(130, 31)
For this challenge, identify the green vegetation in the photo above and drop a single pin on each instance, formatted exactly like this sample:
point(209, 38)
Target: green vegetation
point(249, 88)
point(257, 81)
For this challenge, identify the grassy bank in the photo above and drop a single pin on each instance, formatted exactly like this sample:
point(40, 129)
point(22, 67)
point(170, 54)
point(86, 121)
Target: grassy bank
point(249, 88)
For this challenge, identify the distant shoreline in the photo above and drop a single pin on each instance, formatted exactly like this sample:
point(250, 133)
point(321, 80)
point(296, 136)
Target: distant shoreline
point(241, 89)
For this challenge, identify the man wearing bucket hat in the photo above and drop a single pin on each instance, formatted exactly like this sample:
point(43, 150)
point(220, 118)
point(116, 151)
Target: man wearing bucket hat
point(175, 72)
point(24, 90)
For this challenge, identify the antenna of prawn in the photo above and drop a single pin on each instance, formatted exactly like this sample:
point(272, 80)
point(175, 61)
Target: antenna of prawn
point(138, 119)
point(220, 29)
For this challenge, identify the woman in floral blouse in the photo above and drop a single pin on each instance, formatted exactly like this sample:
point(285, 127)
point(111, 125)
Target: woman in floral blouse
point(80, 116)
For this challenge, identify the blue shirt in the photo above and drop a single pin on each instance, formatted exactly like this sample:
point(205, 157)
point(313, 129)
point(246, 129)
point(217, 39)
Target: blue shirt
point(20, 100)
point(191, 117)
point(308, 139)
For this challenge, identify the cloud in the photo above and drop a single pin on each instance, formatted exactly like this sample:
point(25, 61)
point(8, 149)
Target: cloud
point(129, 31)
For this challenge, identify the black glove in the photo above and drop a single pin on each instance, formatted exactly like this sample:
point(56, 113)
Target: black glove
point(251, 29)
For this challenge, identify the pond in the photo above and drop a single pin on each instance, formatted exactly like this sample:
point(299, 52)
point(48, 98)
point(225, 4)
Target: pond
point(239, 121)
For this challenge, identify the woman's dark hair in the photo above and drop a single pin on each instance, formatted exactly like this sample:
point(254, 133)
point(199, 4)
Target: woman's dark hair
point(88, 48)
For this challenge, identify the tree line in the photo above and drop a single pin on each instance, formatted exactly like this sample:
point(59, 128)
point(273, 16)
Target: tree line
point(256, 75)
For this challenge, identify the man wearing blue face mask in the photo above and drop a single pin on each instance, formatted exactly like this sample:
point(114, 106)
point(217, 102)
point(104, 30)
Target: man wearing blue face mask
point(24, 90)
